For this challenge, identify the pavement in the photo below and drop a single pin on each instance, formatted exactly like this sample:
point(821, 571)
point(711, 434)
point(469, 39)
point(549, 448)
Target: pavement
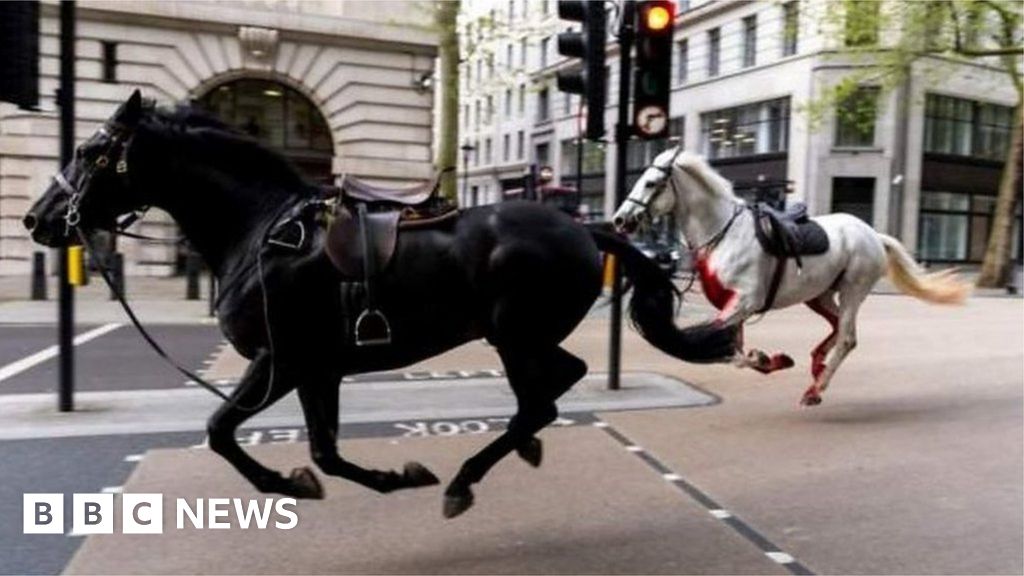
point(913, 464)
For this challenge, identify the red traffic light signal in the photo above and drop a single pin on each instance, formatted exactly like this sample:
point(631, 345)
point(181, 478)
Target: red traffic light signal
point(657, 17)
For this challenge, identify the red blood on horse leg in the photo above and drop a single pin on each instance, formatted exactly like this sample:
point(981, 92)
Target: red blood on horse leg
point(818, 354)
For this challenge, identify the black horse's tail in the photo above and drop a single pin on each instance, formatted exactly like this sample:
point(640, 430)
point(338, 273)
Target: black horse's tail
point(652, 308)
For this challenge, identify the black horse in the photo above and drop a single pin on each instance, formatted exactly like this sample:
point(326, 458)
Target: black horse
point(520, 275)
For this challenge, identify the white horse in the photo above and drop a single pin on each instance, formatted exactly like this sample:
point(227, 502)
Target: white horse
point(736, 272)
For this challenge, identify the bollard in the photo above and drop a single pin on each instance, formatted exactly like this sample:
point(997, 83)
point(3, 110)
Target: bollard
point(192, 267)
point(213, 296)
point(39, 276)
point(76, 266)
point(116, 271)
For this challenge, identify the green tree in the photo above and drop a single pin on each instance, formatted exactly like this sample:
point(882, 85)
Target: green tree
point(887, 39)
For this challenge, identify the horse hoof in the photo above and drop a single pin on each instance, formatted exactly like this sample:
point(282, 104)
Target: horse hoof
point(532, 452)
point(304, 484)
point(417, 475)
point(811, 398)
point(782, 361)
point(455, 504)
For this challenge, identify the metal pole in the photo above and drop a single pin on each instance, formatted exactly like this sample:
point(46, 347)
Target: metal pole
point(66, 306)
point(621, 141)
point(579, 155)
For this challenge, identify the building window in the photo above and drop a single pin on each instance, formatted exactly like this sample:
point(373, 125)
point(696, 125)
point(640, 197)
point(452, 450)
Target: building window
point(861, 25)
point(966, 127)
point(512, 10)
point(476, 115)
point(591, 177)
point(714, 46)
point(749, 41)
point(520, 145)
point(856, 116)
point(506, 148)
point(522, 99)
point(490, 110)
point(488, 157)
point(683, 60)
point(522, 53)
point(543, 106)
point(544, 51)
point(790, 27)
point(509, 58)
point(110, 62)
point(543, 155)
point(490, 66)
point(508, 103)
point(476, 153)
point(761, 128)
point(567, 104)
point(954, 227)
point(854, 196)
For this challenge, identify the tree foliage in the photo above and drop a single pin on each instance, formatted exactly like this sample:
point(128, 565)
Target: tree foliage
point(886, 41)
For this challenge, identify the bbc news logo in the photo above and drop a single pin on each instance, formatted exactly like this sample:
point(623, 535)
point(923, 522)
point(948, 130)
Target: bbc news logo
point(144, 513)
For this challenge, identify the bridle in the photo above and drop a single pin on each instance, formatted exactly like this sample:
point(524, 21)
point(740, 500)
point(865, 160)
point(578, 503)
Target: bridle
point(667, 171)
point(120, 137)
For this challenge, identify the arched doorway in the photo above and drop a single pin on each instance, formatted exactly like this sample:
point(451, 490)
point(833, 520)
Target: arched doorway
point(281, 118)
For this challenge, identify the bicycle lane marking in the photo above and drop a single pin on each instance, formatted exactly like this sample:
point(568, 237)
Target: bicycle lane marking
point(19, 366)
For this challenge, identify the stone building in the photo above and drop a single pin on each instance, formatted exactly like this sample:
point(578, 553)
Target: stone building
point(926, 169)
point(337, 86)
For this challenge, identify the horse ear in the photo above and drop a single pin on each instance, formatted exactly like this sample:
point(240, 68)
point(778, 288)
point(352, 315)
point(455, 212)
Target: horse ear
point(131, 110)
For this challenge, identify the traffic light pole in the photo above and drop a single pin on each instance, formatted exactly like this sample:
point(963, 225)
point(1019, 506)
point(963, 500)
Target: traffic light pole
point(66, 306)
point(622, 134)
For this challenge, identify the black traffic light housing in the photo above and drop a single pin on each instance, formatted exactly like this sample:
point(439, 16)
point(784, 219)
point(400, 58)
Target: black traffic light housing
point(653, 70)
point(19, 53)
point(591, 80)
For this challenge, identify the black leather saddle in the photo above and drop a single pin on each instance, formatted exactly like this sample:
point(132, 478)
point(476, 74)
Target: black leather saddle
point(790, 233)
point(363, 233)
point(786, 234)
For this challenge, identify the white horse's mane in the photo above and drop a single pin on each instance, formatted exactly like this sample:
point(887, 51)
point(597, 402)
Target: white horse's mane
point(698, 168)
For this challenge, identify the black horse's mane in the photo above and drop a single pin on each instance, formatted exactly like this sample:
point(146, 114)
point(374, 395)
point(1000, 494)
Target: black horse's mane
point(232, 147)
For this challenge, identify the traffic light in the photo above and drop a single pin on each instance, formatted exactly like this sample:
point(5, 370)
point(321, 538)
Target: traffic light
point(653, 71)
point(590, 81)
point(19, 53)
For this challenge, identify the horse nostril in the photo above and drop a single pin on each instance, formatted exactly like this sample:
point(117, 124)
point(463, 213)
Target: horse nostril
point(30, 222)
point(619, 222)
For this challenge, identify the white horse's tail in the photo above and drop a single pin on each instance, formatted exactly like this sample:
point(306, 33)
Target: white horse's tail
point(942, 287)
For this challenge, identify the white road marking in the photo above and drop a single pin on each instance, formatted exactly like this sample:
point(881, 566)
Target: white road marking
point(634, 448)
point(720, 514)
point(134, 457)
point(112, 489)
point(672, 477)
point(600, 424)
point(45, 354)
point(780, 557)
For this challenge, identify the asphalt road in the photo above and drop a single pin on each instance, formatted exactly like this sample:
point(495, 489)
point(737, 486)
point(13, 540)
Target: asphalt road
point(914, 464)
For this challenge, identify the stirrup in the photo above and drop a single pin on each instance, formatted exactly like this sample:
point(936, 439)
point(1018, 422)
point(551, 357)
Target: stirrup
point(372, 329)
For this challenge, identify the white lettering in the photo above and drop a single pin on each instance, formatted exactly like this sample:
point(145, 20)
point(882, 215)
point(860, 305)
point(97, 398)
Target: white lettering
point(280, 508)
point(252, 511)
point(217, 508)
point(183, 509)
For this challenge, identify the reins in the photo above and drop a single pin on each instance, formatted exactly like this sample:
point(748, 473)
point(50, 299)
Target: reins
point(72, 221)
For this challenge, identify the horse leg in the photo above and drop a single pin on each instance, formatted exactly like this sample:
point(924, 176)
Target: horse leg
point(537, 378)
point(735, 312)
point(319, 400)
point(850, 299)
point(252, 392)
point(826, 307)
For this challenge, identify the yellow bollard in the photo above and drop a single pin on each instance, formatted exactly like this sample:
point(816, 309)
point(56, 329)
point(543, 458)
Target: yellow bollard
point(76, 266)
point(609, 270)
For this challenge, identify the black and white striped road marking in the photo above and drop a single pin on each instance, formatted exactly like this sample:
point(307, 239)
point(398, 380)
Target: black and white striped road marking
point(770, 550)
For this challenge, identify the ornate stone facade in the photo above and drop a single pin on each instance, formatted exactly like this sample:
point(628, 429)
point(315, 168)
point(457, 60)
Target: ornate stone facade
point(356, 63)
